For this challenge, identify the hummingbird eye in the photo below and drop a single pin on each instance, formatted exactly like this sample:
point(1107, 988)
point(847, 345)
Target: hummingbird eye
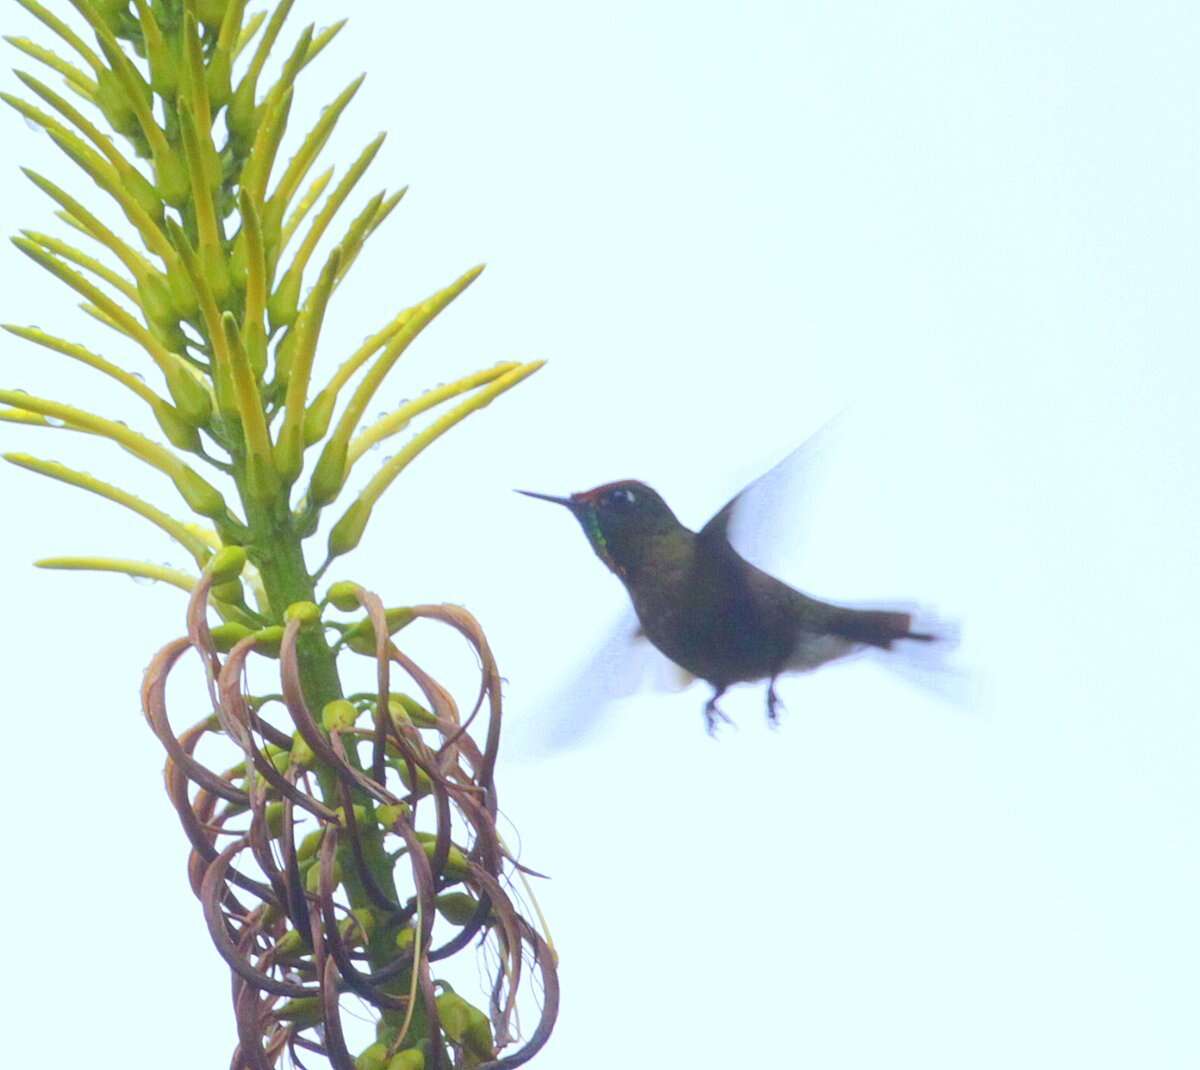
point(620, 498)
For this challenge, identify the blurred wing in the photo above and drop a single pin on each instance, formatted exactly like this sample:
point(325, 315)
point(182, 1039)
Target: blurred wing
point(765, 521)
point(623, 664)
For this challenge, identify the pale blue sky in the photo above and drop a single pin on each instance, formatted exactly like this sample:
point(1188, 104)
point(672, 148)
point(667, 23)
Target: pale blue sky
point(974, 224)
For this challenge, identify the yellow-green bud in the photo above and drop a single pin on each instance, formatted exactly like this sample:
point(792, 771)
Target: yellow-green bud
point(218, 80)
point(183, 293)
point(171, 179)
point(201, 495)
point(402, 707)
point(181, 434)
point(226, 564)
point(284, 303)
point(413, 1059)
point(211, 12)
point(302, 753)
point(327, 477)
point(358, 927)
point(318, 416)
point(312, 879)
point(405, 939)
point(456, 861)
point(424, 784)
point(216, 271)
point(226, 636)
point(360, 637)
point(193, 399)
point(281, 760)
point(290, 944)
point(309, 845)
point(268, 640)
point(348, 531)
point(390, 813)
point(304, 612)
point(457, 907)
point(338, 715)
point(343, 595)
point(360, 814)
point(155, 297)
point(274, 818)
point(231, 593)
point(373, 1058)
point(303, 1012)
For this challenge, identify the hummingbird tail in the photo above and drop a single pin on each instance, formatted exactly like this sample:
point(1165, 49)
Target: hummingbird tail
point(880, 628)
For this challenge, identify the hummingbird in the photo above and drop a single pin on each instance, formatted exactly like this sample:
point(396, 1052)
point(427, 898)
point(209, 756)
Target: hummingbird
point(709, 610)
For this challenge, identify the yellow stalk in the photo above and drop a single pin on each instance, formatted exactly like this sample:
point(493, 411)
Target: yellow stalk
point(264, 479)
point(253, 332)
point(78, 256)
point(314, 141)
point(303, 207)
point(176, 529)
point(398, 420)
point(65, 32)
point(201, 495)
point(137, 569)
point(248, 31)
point(76, 78)
point(347, 532)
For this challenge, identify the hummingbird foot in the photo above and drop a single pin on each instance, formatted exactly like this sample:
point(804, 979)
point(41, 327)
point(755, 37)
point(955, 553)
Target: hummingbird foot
point(712, 713)
point(774, 705)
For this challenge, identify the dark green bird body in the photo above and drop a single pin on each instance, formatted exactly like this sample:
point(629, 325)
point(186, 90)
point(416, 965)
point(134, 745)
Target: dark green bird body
point(708, 609)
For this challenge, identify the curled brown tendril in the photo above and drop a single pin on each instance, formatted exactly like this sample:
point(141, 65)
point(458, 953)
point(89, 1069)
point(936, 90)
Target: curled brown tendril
point(286, 849)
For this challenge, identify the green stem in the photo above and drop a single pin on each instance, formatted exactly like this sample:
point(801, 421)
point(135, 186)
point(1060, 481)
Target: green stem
point(275, 548)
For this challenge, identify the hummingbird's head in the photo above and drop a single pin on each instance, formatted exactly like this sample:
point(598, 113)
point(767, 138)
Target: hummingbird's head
point(623, 521)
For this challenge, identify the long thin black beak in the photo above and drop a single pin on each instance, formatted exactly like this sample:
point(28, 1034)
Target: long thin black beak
point(549, 498)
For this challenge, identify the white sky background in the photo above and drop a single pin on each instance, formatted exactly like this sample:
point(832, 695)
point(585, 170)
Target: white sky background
point(975, 224)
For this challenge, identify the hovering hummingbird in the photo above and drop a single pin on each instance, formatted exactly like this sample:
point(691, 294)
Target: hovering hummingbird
point(708, 609)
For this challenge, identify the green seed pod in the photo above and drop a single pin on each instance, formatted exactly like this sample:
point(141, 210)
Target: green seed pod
point(216, 271)
point(226, 564)
point(142, 190)
point(424, 784)
point(226, 636)
point(302, 753)
point(373, 1058)
point(348, 531)
point(189, 394)
point(303, 1012)
point(405, 939)
point(318, 417)
point(338, 715)
point(304, 612)
point(390, 813)
point(269, 640)
point(360, 814)
point(240, 119)
point(284, 303)
point(274, 818)
point(281, 760)
point(406, 705)
point(328, 475)
point(309, 845)
point(218, 80)
point(360, 637)
point(357, 928)
point(413, 1059)
point(290, 945)
point(201, 495)
point(230, 593)
point(155, 297)
point(112, 101)
point(343, 595)
point(457, 907)
point(456, 862)
point(171, 179)
point(211, 12)
point(312, 879)
point(183, 293)
point(181, 434)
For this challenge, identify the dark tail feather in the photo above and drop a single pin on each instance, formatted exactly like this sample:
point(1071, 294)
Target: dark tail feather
point(878, 627)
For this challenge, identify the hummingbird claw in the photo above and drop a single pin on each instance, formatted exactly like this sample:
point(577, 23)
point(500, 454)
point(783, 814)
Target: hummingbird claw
point(713, 715)
point(774, 705)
